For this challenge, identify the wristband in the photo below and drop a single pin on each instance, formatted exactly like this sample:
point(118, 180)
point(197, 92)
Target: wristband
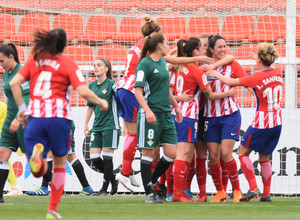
point(22, 107)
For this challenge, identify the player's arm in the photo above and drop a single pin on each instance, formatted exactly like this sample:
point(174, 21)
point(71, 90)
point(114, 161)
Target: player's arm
point(88, 95)
point(185, 60)
point(151, 119)
point(224, 79)
point(89, 113)
point(224, 61)
point(176, 107)
point(218, 95)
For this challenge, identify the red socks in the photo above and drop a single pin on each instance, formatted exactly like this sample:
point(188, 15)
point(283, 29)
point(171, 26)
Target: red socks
point(266, 175)
point(190, 175)
point(225, 174)
point(169, 177)
point(180, 170)
point(201, 174)
point(57, 187)
point(129, 150)
point(248, 170)
point(233, 174)
point(215, 171)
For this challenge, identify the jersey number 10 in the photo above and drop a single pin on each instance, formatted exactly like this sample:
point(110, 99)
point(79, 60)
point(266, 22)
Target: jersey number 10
point(274, 97)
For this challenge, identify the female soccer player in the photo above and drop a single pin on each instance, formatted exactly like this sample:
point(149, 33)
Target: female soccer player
point(263, 134)
point(222, 122)
point(127, 104)
point(155, 125)
point(191, 78)
point(106, 129)
point(49, 124)
point(12, 134)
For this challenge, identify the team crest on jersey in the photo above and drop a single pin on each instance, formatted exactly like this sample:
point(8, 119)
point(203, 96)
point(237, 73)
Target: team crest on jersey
point(150, 142)
point(104, 91)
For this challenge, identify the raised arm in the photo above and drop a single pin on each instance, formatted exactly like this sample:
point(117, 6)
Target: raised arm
point(224, 79)
point(185, 60)
point(218, 95)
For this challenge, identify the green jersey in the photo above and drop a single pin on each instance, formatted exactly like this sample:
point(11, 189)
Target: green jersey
point(108, 119)
point(154, 78)
point(12, 108)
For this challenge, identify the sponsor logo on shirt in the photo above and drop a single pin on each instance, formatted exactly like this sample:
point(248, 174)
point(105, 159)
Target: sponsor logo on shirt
point(156, 70)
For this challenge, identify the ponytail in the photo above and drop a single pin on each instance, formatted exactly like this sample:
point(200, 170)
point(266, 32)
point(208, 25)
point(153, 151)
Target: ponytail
point(10, 49)
point(150, 44)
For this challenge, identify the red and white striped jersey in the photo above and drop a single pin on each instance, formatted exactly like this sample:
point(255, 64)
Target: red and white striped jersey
point(49, 81)
point(267, 86)
point(193, 79)
point(128, 80)
point(227, 105)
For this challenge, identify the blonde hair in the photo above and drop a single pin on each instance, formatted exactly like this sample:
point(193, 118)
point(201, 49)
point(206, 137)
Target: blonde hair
point(267, 53)
point(150, 25)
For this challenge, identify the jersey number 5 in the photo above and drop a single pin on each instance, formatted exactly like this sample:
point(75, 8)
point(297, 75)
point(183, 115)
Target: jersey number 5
point(274, 97)
point(42, 86)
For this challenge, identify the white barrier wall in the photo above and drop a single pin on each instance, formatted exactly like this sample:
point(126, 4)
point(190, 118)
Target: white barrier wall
point(285, 159)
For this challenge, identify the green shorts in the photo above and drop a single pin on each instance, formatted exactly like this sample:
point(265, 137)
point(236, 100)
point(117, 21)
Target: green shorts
point(72, 147)
point(105, 139)
point(162, 133)
point(12, 140)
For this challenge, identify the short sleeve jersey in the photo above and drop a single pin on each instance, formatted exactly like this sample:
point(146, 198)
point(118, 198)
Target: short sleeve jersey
point(154, 78)
point(193, 79)
point(49, 81)
point(128, 80)
point(267, 86)
point(12, 108)
point(105, 120)
point(227, 105)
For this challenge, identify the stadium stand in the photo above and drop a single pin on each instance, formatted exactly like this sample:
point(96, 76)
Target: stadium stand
point(224, 5)
point(282, 53)
point(173, 25)
point(82, 54)
point(190, 5)
point(155, 5)
point(114, 53)
point(100, 28)
point(55, 4)
point(7, 23)
point(81, 5)
point(121, 5)
point(254, 5)
point(243, 53)
point(28, 24)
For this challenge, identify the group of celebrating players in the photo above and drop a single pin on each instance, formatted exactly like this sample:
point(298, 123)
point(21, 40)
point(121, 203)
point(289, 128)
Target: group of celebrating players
point(204, 116)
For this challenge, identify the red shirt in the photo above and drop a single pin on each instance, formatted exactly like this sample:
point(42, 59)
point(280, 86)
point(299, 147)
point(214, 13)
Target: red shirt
point(49, 81)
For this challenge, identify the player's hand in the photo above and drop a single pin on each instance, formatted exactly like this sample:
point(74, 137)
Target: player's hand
point(232, 92)
point(103, 104)
point(253, 56)
point(22, 118)
point(206, 67)
point(86, 131)
point(205, 59)
point(172, 68)
point(212, 73)
point(185, 97)
point(14, 126)
point(151, 119)
point(178, 117)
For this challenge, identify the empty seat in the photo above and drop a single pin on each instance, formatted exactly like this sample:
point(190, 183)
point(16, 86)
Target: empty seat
point(7, 23)
point(243, 53)
point(249, 99)
point(201, 23)
point(257, 5)
point(71, 23)
point(100, 28)
point(19, 5)
point(155, 5)
point(76, 99)
point(173, 25)
point(81, 54)
point(90, 5)
point(237, 27)
point(282, 53)
point(114, 53)
point(28, 24)
point(121, 4)
point(269, 28)
point(223, 5)
point(190, 5)
point(21, 53)
point(130, 28)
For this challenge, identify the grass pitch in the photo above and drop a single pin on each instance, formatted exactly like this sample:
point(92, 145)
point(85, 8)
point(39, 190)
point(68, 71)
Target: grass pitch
point(134, 208)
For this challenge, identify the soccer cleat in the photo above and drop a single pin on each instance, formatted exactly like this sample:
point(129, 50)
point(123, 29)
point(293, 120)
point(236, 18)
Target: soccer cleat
point(114, 186)
point(183, 198)
point(100, 193)
point(189, 193)
point(265, 199)
point(14, 192)
point(201, 198)
point(86, 191)
point(169, 197)
point(152, 198)
point(53, 215)
point(162, 189)
point(42, 191)
point(237, 195)
point(1, 200)
point(250, 195)
point(125, 181)
point(36, 158)
point(220, 196)
point(133, 181)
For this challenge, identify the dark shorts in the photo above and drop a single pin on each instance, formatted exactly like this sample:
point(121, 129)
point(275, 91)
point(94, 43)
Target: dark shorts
point(261, 140)
point(53, 133)
point(128, 106)
point(187, 130)
point(217, 129)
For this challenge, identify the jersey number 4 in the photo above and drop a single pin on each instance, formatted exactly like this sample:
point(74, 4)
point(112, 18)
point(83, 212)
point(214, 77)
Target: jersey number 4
point(42, 86)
